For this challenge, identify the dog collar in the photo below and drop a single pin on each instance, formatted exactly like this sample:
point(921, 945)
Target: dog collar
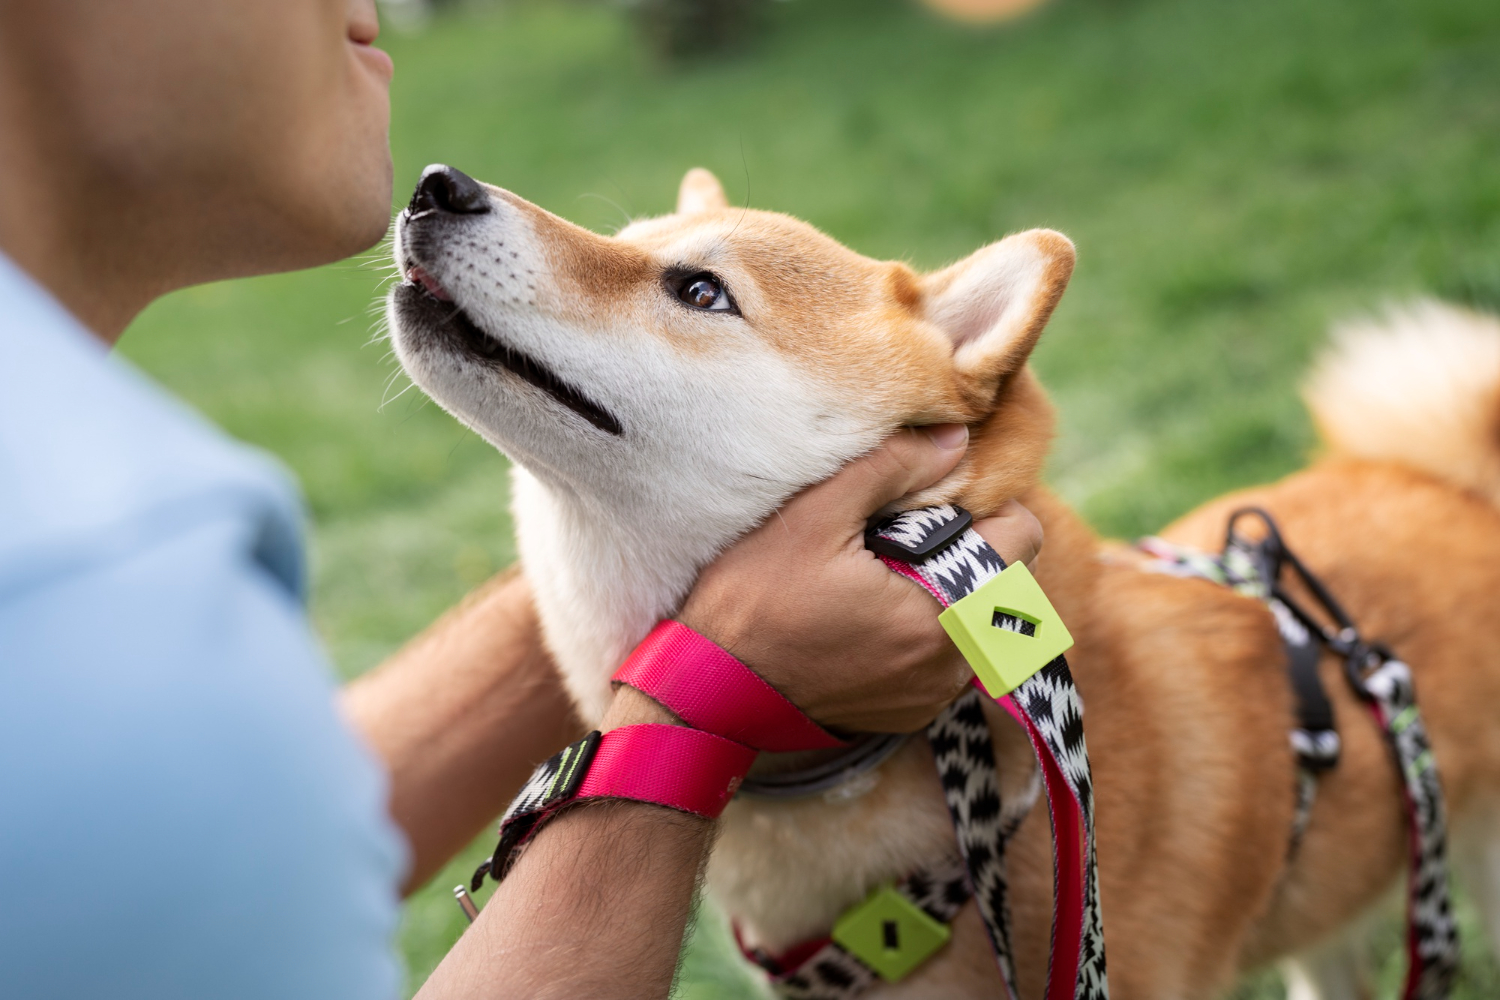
point(863, 754)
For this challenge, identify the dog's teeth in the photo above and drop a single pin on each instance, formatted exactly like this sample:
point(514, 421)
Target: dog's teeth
point(420, 276)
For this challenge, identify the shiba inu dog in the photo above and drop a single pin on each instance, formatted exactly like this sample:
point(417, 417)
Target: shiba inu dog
point(663, 390)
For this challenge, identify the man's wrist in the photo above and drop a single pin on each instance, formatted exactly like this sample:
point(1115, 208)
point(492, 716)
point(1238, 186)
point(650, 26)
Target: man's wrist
point(632, 708)
point(710, 630)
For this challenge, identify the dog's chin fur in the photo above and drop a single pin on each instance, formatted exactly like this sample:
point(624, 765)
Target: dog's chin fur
point(719, 417)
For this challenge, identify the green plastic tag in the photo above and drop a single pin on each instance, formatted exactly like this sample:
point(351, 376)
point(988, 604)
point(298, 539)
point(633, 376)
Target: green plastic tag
point(1007, 630)
point(890, 934)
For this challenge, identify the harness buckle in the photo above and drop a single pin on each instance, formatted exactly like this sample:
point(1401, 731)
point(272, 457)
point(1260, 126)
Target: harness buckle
point(1362, 659)
point(1317, 750)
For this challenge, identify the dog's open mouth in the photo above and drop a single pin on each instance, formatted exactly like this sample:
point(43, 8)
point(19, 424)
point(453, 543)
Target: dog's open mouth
point(447, 319)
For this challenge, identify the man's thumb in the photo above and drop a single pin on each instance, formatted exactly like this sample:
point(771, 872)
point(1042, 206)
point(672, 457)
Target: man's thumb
point(909, 460)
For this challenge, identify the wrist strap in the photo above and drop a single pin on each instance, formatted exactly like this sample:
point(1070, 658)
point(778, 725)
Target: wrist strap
point(672, 766)
point(711, 690)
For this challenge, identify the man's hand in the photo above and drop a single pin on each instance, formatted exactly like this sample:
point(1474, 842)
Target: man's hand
point(804, 603)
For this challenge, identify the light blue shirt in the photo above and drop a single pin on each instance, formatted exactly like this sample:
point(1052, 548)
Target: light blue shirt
point(183, 814)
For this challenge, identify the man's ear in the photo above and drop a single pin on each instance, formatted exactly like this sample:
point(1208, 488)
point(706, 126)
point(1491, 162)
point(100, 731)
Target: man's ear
point(994, 303)
point(700, 192)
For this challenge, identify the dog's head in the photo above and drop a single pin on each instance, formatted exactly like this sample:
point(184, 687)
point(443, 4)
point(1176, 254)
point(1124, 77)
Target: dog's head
point(712, 362)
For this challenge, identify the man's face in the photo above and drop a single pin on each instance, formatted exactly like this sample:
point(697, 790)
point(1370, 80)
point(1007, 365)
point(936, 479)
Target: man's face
point(243, 135)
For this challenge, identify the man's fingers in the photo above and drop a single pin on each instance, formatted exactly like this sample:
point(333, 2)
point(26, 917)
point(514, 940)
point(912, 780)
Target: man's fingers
point(909, 460)
point(1014, 532)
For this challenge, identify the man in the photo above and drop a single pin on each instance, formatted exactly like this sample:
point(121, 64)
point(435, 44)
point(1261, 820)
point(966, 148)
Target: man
point(183, 809)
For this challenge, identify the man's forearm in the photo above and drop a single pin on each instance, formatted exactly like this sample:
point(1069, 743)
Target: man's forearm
point(460, 716)
point(596, 906)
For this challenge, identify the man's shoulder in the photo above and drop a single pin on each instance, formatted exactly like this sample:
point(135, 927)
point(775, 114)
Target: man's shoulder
point(96, 460)
point(168, 733)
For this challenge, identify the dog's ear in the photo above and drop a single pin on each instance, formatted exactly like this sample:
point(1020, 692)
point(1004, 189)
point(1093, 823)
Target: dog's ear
point(994, 303)
point(700, 192)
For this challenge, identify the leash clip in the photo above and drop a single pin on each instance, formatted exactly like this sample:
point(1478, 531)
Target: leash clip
point(1360, 661)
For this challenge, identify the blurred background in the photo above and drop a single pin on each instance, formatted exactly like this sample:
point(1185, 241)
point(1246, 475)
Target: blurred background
point(1236, 176)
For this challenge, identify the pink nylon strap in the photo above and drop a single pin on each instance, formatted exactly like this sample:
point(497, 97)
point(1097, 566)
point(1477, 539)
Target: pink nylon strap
point(672, 766)
point(712, 691)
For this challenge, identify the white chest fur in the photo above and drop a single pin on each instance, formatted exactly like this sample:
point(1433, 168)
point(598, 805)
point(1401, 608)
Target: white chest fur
point(601, 583)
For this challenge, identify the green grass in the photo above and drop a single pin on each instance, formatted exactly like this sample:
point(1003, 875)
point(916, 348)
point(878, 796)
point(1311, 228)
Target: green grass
point(1236, 176)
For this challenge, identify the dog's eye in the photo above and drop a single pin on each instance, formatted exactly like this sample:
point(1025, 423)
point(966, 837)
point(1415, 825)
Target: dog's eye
point(703, 291)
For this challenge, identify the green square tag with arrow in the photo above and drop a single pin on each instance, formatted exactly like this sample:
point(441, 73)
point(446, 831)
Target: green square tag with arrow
point(890, 934)
point(1007, 630)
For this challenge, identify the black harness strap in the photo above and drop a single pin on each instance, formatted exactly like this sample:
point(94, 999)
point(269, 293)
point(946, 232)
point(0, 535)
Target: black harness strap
point(1316, 738)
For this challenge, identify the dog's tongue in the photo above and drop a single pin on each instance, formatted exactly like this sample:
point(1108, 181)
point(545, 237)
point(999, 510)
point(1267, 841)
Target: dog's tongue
point(428, 282)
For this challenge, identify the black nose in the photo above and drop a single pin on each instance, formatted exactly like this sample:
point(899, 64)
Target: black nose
point(443, 189)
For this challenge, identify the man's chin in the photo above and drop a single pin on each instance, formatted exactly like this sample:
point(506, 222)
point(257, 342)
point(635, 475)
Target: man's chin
point(353, 218)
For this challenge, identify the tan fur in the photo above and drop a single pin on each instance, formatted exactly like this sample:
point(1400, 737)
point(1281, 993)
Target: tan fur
point(1184, 682)
point(1423, 388)
point(700, 191)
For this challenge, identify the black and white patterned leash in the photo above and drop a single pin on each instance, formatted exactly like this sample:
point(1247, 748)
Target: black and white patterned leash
point(946, 556)
point(1432, 945)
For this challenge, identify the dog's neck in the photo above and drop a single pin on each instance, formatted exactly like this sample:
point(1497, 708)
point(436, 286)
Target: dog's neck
point(605, 574)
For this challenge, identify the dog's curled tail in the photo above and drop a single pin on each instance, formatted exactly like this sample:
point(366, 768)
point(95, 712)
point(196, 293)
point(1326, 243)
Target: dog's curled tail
point(1420, 386)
